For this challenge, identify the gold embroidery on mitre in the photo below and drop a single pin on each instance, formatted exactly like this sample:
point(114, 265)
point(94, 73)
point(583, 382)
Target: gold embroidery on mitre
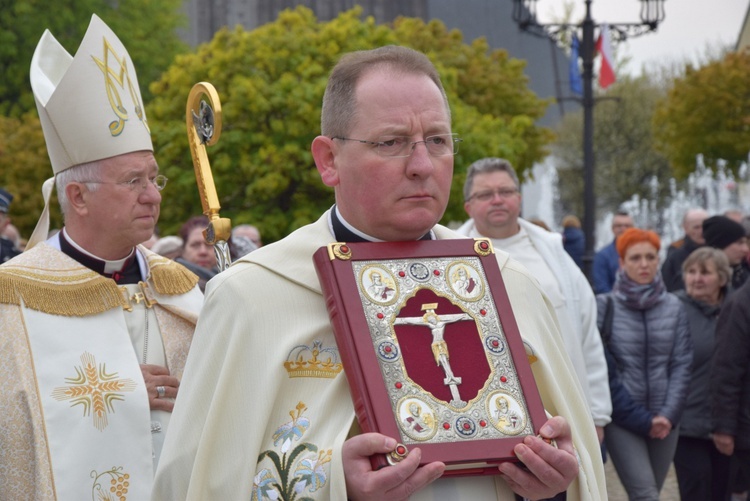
point(315, 361)
point(73, 292)
point(120, 77)
point(169, 277)
point(94, 389)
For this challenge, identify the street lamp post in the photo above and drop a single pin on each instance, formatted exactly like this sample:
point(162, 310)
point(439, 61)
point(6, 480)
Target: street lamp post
point(524, 14)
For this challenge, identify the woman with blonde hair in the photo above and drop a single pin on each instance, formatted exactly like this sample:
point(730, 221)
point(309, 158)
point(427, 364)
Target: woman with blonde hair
point(702, 471)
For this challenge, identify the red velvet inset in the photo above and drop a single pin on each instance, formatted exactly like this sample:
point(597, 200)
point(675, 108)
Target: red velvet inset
point(467, 357)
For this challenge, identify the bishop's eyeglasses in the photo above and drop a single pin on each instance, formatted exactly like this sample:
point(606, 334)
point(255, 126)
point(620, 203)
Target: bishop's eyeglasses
point(139, 183)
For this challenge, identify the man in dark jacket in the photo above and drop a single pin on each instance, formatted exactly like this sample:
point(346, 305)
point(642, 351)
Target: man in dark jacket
point(671, 270)
point(729, 236)
point(730, 387)
point(606, 261)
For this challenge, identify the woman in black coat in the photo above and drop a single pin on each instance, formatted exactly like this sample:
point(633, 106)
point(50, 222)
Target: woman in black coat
point(730, 387)
point(702, 471)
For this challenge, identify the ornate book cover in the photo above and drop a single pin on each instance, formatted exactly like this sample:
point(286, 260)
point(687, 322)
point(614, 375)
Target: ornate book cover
point(431, 349)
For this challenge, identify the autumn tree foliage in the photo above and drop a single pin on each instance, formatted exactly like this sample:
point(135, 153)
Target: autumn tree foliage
point(271, 82)
point(707, 111)
point(623, 147)
point(148, 30)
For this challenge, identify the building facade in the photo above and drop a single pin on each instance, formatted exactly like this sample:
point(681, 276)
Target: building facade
point(547, 64)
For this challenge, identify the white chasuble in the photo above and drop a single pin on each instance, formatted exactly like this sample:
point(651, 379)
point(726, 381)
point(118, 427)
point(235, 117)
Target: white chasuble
point(92, 392)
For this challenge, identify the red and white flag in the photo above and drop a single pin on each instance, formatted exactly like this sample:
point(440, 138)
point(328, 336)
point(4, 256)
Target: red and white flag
point(607, 68)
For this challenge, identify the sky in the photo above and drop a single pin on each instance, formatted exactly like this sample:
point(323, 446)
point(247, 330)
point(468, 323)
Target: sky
point(688, 28)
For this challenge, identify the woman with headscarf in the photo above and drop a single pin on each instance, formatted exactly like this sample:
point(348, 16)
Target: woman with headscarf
point(649, 342)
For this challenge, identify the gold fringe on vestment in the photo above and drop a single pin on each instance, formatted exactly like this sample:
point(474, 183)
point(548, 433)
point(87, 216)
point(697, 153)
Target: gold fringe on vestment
point(83, 294)
point(170, 278)
point(80, 292)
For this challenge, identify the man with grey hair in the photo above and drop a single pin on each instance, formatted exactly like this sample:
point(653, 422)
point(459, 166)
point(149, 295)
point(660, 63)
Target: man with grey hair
point(245, 239)
point(493, 200)
point(95, 327)
point(248, 231)
point(387, 150)
point(671, 269)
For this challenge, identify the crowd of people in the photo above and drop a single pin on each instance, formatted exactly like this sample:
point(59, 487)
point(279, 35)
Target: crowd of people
point(123, 380)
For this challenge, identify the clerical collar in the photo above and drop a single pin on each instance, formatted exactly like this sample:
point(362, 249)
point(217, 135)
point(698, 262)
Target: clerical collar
point(122, 271)
point(345, 232)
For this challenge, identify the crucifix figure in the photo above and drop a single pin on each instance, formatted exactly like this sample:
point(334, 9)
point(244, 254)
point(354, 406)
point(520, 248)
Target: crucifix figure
point(437, 324)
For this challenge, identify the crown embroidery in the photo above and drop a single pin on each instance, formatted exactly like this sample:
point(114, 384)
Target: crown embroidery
point(94, 389)
point(114, 79)
point(315, 361)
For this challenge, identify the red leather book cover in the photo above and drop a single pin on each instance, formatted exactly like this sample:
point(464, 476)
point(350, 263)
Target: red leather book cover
point(431, 349)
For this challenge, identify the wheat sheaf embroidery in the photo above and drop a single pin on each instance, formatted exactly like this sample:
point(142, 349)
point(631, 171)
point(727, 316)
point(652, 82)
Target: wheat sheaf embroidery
point(94, 389)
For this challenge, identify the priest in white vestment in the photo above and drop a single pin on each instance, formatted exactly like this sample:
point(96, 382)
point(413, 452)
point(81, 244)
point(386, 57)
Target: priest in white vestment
point(493, 200)
point(265, 410)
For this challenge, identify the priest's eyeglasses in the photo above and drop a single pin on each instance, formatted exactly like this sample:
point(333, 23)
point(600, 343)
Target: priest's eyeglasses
point(486, 196)
point(138, 184)
point(439, 145)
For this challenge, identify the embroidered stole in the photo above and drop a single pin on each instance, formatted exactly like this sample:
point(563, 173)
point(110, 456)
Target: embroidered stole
point(94, 403)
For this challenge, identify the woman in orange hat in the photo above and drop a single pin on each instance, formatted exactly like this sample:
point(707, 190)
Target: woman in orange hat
point(646, 333)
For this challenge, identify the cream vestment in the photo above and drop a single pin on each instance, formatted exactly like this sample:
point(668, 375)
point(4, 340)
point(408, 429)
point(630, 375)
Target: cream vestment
point(74, 413)
point(264, 407)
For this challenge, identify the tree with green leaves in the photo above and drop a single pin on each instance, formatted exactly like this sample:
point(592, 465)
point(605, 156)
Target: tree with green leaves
point(148, 29)
point(623, 147)
point(707, 111)
point(271, 82)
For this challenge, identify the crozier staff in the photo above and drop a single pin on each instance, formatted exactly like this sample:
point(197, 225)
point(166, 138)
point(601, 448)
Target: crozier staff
point(204, 129)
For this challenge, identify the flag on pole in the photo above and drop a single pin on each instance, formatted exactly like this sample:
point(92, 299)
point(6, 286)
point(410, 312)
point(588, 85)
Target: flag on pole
point(607, 68)
point(574, 71)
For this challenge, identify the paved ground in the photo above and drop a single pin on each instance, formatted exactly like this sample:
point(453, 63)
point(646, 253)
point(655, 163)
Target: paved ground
point(616, 492)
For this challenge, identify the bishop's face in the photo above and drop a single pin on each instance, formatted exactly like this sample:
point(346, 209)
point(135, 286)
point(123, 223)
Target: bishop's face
point(120, 214)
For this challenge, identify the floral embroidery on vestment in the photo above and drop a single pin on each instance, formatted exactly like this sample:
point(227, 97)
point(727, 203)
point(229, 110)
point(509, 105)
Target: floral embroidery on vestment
point(298, 471)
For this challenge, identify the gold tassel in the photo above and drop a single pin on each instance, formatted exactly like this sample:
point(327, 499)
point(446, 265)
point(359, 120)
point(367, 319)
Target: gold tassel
point(170, 278)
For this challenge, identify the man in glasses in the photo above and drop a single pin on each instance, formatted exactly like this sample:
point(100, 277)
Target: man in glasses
point(265, 411)
point(95, 328)
point(493, 201)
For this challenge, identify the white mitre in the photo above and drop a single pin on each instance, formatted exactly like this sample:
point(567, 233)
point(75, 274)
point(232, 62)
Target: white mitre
point(89, 105)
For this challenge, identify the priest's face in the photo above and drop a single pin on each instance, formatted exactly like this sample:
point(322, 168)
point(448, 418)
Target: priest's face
point(386, 197)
